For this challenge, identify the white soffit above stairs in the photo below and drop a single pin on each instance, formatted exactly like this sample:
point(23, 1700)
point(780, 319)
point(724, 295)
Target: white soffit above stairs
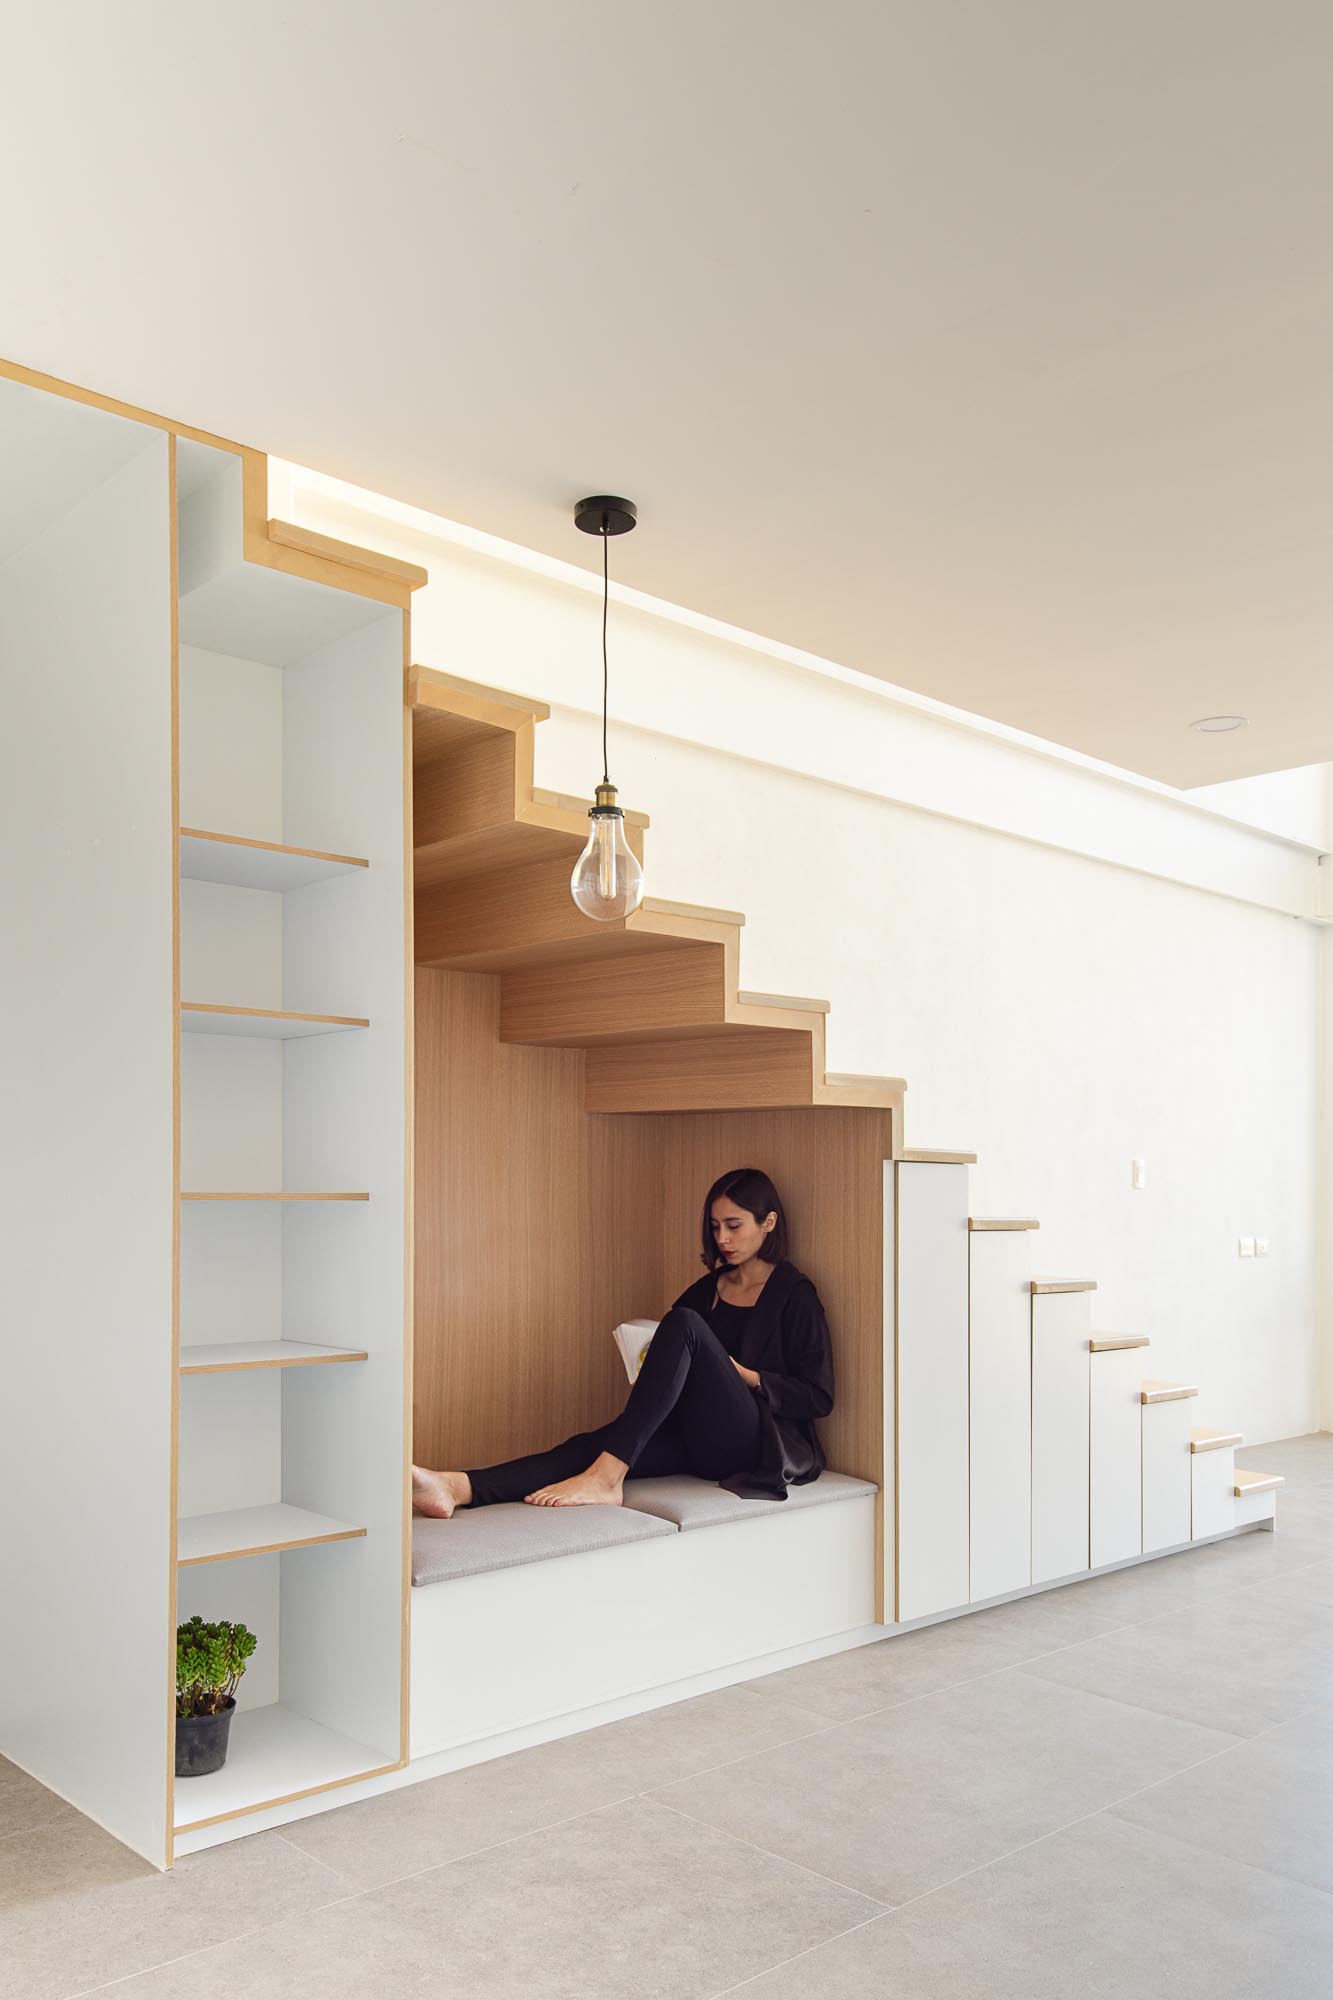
point(981, 348)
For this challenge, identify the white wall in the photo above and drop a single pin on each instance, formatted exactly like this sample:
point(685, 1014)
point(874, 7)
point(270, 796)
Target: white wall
point(1072, 968)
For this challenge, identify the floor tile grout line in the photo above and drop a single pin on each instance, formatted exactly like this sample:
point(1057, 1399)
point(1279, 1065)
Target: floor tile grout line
point(375, 1888)
point(892, 1908)
point(766, 1971)
point(785, 1860)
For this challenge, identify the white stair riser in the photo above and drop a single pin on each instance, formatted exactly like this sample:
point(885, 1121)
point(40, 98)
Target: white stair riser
point(1060, 1384)
point(932, 1389)
point(1255, 1507)
point(1000, 1262)
point(1116, 1455)
point(1213, 1492)
point(1166, 1473)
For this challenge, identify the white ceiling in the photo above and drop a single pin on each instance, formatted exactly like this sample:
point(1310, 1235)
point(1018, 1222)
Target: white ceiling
point(983, 345)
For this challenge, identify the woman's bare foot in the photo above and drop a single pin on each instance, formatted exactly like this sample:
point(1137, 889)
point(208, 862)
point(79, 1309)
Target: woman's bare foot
point(602, 1485)
point(438, 1493)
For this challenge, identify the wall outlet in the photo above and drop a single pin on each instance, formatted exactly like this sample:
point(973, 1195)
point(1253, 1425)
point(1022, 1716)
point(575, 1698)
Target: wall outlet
point(1138, 1173)
point(1246, 1246)
point(1261, 1246)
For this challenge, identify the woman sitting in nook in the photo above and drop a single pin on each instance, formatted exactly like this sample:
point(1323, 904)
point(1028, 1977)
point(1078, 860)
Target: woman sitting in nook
point(729, 1389)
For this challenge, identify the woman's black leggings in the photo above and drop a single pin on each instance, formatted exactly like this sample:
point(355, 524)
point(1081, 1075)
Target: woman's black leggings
point(688, 1411)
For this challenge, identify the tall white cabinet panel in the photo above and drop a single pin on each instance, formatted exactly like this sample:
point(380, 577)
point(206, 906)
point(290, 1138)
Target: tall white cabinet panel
point(1212, 1492)
point(931, 1238)
point(86, 1156)
point(1166, 1474)
point(1116, 1467)
point(1060, 1388)
point(1001, 1415)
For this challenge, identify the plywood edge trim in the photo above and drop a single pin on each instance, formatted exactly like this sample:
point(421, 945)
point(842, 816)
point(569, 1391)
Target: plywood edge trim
point(271, 1548)
point(289, 1798)
point(33, 378)
point(290, 536)
point(273, 847)
point(274, 1197)
point(273, 1014)
point(293, 1361)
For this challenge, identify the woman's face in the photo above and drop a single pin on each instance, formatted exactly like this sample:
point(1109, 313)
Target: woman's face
point(736, 1232)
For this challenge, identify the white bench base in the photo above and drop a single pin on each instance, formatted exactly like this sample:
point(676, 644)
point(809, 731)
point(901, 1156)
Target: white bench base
point(503, 1651)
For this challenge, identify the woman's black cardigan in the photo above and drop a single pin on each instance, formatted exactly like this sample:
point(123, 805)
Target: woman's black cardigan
point(786, 1341)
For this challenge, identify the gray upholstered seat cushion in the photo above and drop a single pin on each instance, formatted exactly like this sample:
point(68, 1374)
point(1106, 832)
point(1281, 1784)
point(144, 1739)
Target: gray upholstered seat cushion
point(506, 1536)
point(698, 1503)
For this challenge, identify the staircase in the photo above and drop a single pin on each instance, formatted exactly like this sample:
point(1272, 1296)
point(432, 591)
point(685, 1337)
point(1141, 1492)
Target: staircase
point(655, 998)
point(1030, 1448)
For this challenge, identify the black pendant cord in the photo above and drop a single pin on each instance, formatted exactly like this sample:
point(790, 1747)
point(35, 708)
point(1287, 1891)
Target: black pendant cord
point(606, 591)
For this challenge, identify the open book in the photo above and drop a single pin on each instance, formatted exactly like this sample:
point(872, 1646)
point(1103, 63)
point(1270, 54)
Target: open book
point(632, 1337)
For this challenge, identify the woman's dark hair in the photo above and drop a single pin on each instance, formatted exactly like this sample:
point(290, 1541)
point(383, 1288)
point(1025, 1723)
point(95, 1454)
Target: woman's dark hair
point(753, 1191)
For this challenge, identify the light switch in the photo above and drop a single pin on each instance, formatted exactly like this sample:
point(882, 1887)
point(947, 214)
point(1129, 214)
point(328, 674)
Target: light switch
point(1246, 1246)
point(1138, 1173)
point(1261, 1246)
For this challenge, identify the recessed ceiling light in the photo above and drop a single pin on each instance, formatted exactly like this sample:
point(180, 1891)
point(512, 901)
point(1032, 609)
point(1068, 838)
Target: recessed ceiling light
point(1213, 725)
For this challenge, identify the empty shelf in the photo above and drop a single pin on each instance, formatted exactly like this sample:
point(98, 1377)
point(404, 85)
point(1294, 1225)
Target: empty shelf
point(200, 1018)
point(274, 1197)
point(224, 1357)
point(257, 864)
point(254, 1531)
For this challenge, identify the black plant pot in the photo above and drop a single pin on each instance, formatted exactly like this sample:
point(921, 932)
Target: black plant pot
point(201, 1741)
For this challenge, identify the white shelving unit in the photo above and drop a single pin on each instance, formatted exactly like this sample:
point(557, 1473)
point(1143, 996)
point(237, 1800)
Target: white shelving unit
point(206, 1078)
point(292, 976)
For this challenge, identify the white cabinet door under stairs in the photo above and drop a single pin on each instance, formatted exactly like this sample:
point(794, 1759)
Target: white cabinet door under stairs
point(1115, 1511)
point(1029, 1449)
point(1061, 1316)
point(1000, 1277)
point(1166, 1464)
point(930, 1235)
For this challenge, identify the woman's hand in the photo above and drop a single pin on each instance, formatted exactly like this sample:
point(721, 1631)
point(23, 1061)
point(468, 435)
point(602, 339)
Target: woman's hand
point(748, 1375)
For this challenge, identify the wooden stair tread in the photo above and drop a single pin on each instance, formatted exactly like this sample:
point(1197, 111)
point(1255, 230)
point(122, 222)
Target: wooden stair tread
point(432, 677)
point(1251, 1480)
point(660, 906)
point(787, 1001)
point(923, 1156)
point(1153, 1391)
point(653, 999)
point(1115, 1343)
point(849, 1079)
point(1042, 1285)
point(981, 1222)
point(568, 802)
point(1202, 1439)
point(287, 535)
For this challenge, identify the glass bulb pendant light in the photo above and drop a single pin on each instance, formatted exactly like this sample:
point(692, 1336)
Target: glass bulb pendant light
point(607, 882)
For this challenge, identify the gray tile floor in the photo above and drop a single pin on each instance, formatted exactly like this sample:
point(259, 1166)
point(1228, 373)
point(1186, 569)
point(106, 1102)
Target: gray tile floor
point(1124, 1788)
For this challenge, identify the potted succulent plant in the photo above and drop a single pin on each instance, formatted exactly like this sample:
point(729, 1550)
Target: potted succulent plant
point(210, 1660)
